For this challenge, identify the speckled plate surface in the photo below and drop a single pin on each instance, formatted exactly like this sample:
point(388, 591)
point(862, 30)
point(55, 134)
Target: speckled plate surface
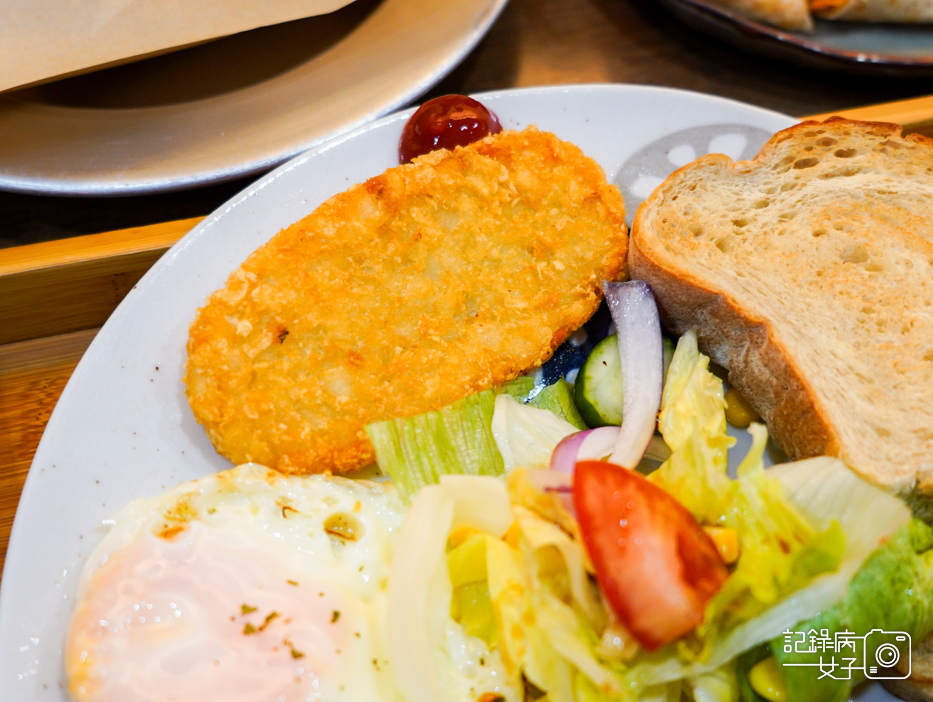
point(123, 429)
point(849, 47)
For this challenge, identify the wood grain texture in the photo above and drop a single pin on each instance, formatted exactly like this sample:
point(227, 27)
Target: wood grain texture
point(914, 115)
point(32, 376)
point(63, 286)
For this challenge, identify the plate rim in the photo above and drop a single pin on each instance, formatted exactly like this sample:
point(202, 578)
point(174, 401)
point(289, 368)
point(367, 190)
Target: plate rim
point(758, 37)
point(113, 185)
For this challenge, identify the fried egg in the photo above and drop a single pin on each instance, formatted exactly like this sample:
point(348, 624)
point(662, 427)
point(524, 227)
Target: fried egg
point(244, 585)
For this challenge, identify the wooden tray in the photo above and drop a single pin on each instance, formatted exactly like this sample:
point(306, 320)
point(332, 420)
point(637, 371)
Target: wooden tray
point(55, 296)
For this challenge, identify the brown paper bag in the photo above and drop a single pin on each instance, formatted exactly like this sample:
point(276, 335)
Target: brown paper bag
point(45, 39)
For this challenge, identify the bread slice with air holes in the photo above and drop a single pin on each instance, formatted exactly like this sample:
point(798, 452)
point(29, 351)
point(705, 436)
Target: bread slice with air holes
point(808, 274)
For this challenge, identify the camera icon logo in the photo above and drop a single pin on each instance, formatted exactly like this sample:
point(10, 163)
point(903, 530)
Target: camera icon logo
point(882, 653)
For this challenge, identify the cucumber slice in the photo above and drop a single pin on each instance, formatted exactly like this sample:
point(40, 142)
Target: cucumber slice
point(557, 397)
point(598, 388)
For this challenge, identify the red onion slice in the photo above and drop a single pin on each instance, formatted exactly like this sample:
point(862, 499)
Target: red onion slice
point(635, 314)
point(592, 444)
point(555, 483)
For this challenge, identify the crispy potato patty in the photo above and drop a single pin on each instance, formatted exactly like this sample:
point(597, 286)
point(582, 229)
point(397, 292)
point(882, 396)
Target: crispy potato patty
point(432, 281)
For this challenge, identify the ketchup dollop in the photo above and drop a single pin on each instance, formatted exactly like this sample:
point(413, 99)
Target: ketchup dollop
point(443, 123)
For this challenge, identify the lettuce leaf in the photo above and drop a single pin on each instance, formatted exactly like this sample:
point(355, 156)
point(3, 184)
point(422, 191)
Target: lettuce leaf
point(458, 439)
point(801, 526)
point(892, 592)
point(693, 424)
point(780, 550)
point(526, 436)
point(804, 540)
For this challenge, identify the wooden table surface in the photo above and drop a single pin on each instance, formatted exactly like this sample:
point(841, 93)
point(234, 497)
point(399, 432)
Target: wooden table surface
point(534, 42)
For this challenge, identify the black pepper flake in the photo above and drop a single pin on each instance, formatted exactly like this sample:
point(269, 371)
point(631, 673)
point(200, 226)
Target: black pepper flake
point(334, 617)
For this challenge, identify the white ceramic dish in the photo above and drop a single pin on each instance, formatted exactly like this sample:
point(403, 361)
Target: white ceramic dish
point(122, 428)
point(235, 106)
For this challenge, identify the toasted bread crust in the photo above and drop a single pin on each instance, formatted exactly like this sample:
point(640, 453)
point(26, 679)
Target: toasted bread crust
point(759, 367)
point(804, 272)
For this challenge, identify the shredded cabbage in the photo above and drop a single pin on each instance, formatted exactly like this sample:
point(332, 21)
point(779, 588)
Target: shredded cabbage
point(419, 593)
point(801, 526)
point(525, 435)
point(524, 589)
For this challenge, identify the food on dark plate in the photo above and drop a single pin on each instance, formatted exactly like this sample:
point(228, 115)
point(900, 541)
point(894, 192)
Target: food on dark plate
point(787, 14)
point(432, 281)
point(808, 274)
point(899, 11)
point(797, 15)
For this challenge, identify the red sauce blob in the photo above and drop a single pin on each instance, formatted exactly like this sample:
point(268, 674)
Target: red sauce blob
point(443, 123)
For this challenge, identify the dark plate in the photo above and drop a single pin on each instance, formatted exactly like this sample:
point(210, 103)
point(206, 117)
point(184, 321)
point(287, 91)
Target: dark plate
point(850, 47)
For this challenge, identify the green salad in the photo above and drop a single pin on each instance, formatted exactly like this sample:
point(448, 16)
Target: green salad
point(674, 581)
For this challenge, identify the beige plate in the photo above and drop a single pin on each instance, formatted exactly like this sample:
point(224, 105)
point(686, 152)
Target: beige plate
point(235, 106)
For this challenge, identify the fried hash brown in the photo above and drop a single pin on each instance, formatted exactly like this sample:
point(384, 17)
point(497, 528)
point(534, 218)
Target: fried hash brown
point(432, 281)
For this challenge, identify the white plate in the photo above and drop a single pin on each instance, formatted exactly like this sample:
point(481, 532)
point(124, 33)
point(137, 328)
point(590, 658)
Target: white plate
point(122, 428)
point(236, 106)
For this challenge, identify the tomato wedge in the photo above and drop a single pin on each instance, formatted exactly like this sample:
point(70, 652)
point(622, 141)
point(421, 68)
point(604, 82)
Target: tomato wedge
point(654, 563)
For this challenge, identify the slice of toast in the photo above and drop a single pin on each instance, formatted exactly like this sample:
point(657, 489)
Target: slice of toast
point(808, 274)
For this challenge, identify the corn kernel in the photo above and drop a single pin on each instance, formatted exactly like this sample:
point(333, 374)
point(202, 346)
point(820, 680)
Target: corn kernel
point(726, 540)
point(459, 536)
point(738, 412)
point(765, 679)
point(513, 536)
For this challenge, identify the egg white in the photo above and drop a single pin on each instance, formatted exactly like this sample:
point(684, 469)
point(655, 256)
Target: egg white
point(244, 585)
